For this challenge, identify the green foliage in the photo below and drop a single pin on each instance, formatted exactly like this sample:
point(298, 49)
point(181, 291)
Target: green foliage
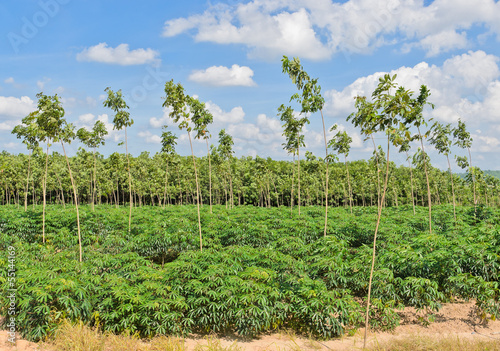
point(259, 271)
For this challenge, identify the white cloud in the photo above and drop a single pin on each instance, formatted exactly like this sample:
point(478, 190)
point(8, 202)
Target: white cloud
point(223, 76)
point(16, 107)
point(41, 83)
point(236, 115)
point(486, 143)
point(120, 55)
point(464, 86)
point(435, 44)
point(86, 118)
point(9, 80)
point(319, 29)
point(150, 137)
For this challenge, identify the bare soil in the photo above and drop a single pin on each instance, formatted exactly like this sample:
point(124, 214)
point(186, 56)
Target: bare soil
point(453, 320)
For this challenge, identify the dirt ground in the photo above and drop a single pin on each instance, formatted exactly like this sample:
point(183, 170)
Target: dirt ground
point(457, 320)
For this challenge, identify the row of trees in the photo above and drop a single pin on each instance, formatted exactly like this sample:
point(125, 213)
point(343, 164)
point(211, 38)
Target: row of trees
point(163, 179)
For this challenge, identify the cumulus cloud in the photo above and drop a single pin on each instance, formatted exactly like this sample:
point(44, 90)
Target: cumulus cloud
point(224, 76)
point(464, 86)
point(15, 107)
point(236, 115)
point(149, 137)
point(120, 55)
point(319, 29)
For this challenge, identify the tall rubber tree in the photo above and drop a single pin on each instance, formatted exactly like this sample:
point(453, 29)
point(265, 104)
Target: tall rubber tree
point(292, 128)
point(51, 121)
point(388, 112)
point(181, 106)
point(341, 143)
point(168, 142)
point(439, 139)
point(311, 102)
point(92, 139)
point(201, 118)
point(121, 121)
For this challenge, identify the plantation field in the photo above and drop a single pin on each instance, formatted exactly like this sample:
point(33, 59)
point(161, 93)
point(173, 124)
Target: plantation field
point(261, 269)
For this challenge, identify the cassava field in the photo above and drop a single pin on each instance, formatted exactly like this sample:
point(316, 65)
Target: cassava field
point(260, 269)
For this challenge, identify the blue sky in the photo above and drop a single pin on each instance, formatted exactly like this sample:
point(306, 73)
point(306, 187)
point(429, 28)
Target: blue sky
point(228, 54)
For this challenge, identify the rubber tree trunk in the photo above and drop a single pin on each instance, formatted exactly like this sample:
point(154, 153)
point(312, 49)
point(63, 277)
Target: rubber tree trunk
point(209, 176)
point(197, 191)
point(427, 180)
point(349, 184)
point(129, 183)
point(326, 174)
point(411, 183)
point(45, 192)
point(27, 183)
point(452, 188)
point(76, 203)
point(473, 181)
point(367, 318)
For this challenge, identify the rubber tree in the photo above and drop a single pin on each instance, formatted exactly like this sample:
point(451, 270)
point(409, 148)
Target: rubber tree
point(225, 150)
point(387, 112)
point(121, 121)
point(311, 102)
point(92, 139)
point(439, 139)
point(29, 132)
point(292, 128)
point(181, 112)
point(168, 142)
point(341, 143)
point(51, 121)
point(464, 140)
point(201, 118)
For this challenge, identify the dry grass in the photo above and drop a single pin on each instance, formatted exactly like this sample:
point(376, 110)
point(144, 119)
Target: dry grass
point(428, 343)
point(78, 337)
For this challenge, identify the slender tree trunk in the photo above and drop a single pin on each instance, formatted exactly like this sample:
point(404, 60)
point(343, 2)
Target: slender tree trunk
point(291, 192)
point(197, 190)
point(411, 182)
point(94, 181)
point(473, 181)
point(379, 203)
point(27, 183)
point(209, 176)
point(427, 180)
point(298, 172)
point(348, 183)
point(166, 185)
point(326, 181)
point(45, 192)
point(76, 202)
point(367, 318)
point(62, 190)
point(129, 183)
